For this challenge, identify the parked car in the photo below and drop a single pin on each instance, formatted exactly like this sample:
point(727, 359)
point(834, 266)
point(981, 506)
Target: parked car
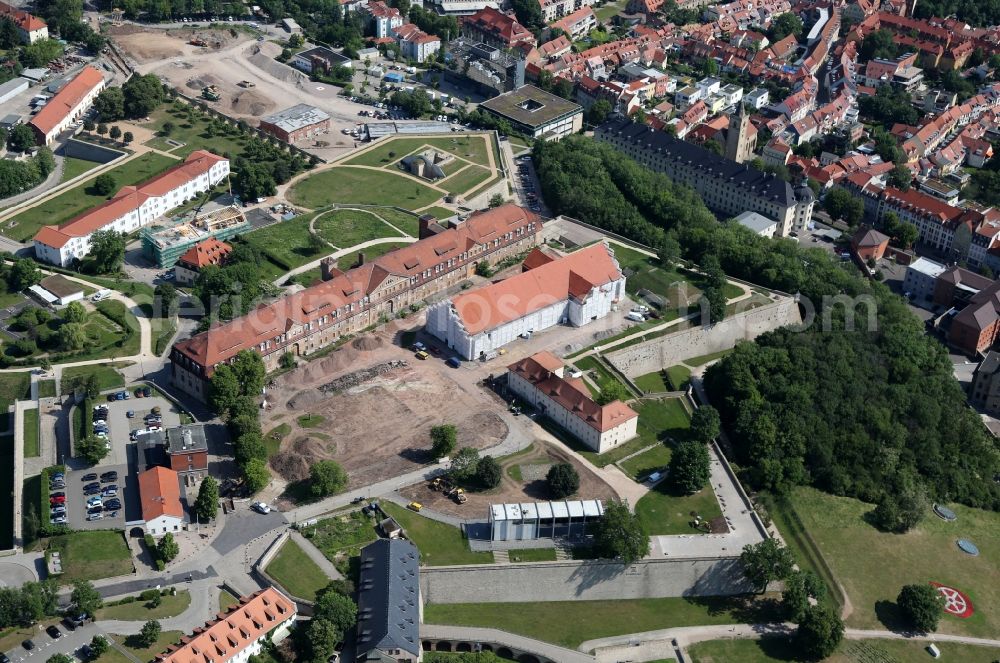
point(94, 501)
point(95, 509)
point(89, 477)
point(112, 504)
point(130, 414)
point(57, 500)
point(422, 355)
point(95, 516)
point(111, 474)
point(58, 520)
point(260, 507)
point(91, 491)
point(57, 510)
point(57, 494)
point(28, 644)
point(108, 478)
point(92, 485)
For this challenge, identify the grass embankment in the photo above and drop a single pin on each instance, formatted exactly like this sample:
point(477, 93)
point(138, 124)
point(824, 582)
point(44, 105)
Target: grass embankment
point(92, 555)
point(296, 572)
point(439, 544)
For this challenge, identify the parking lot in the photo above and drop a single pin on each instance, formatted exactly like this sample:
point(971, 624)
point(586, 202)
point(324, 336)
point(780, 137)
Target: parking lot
point(127, 458)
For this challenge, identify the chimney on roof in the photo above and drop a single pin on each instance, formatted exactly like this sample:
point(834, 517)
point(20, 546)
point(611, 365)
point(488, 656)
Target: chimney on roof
point(328, 269)
point(361, 259)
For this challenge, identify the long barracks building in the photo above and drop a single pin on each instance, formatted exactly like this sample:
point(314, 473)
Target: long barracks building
point(727, 187)
point(348, 302)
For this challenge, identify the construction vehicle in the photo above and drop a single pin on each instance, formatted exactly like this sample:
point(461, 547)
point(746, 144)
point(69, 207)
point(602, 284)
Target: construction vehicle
point(211, 93)
point(198, 41)
point(456, 494)
point(435, 484)
point(247, 84)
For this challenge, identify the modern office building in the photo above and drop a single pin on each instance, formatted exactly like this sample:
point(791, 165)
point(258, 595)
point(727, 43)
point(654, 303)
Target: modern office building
point(728, 188)
point(537, 113)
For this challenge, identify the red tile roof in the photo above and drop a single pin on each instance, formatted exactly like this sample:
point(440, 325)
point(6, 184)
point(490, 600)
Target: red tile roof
point(127, 199)
point(160, 494)
point(209, 252)
point(541, 371)
point(573, 276)
point(224, 342)
point(24, 20)
point(67, 99)
point(234, 630)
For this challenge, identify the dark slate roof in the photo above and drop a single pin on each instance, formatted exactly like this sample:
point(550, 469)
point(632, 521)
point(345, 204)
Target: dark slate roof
point(716, 166)
point(990, 363)
point(869, 237)
point(962, 276)
point(389, 597)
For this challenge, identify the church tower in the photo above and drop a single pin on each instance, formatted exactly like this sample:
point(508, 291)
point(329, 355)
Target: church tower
point(740, 139)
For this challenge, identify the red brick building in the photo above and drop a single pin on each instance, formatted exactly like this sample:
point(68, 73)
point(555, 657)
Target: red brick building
point(869, 244)
point(296, 123)
point(187, 449)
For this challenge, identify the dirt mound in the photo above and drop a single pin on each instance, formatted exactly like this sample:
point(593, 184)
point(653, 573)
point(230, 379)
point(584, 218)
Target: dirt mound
point(294, 462)
point(251, 103)
point(367, 343)
point(481, 429)
point(203, 81)
point(305, 399)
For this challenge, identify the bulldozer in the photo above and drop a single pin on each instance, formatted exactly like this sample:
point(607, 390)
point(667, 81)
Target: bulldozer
point(435, 483)
point(198, 41)
point(457, 494)
point(211, 93)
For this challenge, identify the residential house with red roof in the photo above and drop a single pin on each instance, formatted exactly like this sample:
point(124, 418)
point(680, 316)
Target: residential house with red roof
point(160, 499)
point(381, 18)
point(414, 43)
point(575, 289)
point(348, 302)
point(238, 633)
point(495, 28)
point(30, 28)
point(203, 254)
point(555, 9)
point(67, 105)
point(578, 24)
point(540, 381)
point(132, 207)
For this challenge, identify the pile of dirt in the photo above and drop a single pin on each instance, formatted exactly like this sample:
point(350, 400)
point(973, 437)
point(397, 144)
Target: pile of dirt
point(203, 81)
point(294, 462)
point(305, 399)
point(251, 103)
point(319, 370)
point(367, 343)
point(360, 377)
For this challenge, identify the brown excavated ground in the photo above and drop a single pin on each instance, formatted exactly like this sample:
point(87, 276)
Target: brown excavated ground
point(150, 44)
point(379, 428)
point(532, 487)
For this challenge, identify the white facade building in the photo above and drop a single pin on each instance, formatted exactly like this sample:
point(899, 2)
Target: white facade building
point(921, 277)
point(538, 380)
point(132, 207)
point(575, 290)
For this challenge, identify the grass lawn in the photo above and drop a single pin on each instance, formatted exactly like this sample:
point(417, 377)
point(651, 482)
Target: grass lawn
point(139, 611)
point(533, 555)
point(73, 167)
point(92, 555)
point(31, 449)
point(345, 228)
point(193, 134)
point(13, 387)
point(47, 389)
point(652, 382)
point(407, 222)
point(609, 11)
point(678, 376)
point(107, 376)
point(663, 511)
point(471, 147)
point(695, 362)
point(439, 544)
point(76, 200)
point(641, 466)
point(166, 639)
point(163, 330)
point(227, 600)
point(362, 186)
point(600, 373)
point(465, 180)
point(288, 243)
point(342, 536)
point(296, 572)
point(767, 650)
point(439, 213)
point(493, 180)
point(579, 621)
point(272, 441)
point(873, 566)
point(371, 252)
point(311, 420)
point(663, 419)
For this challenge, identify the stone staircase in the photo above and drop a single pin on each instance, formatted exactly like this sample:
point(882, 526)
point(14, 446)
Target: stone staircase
point(564, 551)
point(501, 557)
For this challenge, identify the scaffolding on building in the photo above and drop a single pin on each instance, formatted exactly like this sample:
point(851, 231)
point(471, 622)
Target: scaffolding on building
point(165, 244)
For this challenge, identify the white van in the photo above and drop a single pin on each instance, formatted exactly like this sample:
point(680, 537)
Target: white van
point(635, 316)
point(100, 294)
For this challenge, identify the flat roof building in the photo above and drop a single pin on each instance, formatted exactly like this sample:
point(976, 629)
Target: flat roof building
point(166, 242)
point(537, 113)
point(543, 520)
point(759, 224)
point(921, 279)
point(187, 448)
point(296, 123)
point(319, 58)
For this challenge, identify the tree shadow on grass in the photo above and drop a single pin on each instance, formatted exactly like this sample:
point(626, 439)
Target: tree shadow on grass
point(779, 648)
point(888, 613)
point(745, 609)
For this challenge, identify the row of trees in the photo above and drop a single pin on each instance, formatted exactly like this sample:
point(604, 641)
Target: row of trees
point(232, 290)
point(19, 176)
point(233, 392)
point(136, 98)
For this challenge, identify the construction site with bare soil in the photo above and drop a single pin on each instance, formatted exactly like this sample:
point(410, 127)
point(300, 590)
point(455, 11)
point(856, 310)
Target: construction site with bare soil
point(370, 406)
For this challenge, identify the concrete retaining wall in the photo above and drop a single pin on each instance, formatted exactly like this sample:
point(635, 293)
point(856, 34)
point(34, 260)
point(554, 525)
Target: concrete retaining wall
point(582, 581)
point(81, 149)
point(665, 351)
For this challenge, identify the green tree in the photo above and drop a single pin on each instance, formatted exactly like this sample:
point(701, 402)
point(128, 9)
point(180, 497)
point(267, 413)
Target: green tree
point(819, 632)
point(250, 446)
point(165, 299)
point(102, 129)
point(40, 53)
point(840, 204)
point(690, 466)
point(167, 548)
point(85, 600)
point(800, 587)
point(23, 274)
point(766, 562)
point(611, 391)
point(60, 658)
point(99, 645)
point(563, 480)
point(115, 132)
point(72, 336)
point(336, 608)
point(21, 138)
point(105, 184)
point(463, 464)
point(326, 477)
point(254, 180)
point(713, 303)
point(75, 312)
point(110, 104)
point(149, 633)
point(206, 506)
point(322, 636)
point(45, 161)
point(529, 14)
point(256, 474)
point(900, 177)
point(902, 507)
point(92, 449)
point(921, 607)
point(142, 94)
point(443, 440)
point(705, 424)
point(783, 25)
point(107, 251)
point(496, 200)
point(488, 472)
point(599, 111)
point(620, 535)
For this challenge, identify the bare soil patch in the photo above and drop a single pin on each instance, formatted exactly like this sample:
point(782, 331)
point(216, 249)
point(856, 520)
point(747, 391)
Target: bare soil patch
point(251, 103)
point(149, 44)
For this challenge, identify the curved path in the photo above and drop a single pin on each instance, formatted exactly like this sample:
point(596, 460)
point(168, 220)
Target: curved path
point(339, 253)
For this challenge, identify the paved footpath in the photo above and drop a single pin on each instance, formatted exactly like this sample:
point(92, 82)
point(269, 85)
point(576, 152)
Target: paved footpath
point(477, 634)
